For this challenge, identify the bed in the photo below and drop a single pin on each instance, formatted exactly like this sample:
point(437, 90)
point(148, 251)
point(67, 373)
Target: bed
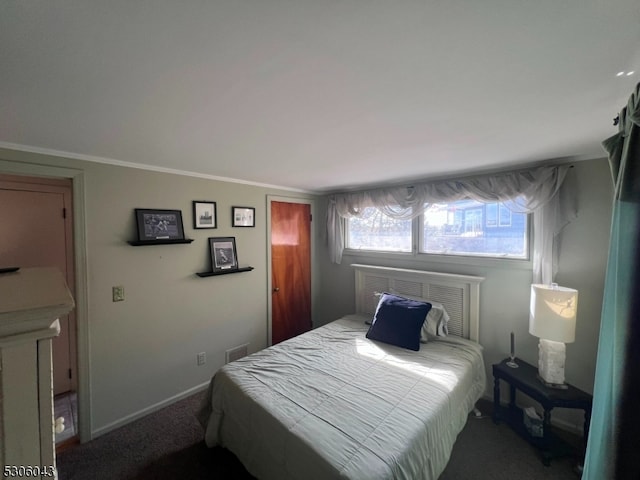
point(332, 403)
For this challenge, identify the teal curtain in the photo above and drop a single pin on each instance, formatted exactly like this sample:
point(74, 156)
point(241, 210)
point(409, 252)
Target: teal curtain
point(614, 437)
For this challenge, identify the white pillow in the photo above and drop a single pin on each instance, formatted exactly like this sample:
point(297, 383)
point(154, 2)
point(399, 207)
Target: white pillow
point(436, 323)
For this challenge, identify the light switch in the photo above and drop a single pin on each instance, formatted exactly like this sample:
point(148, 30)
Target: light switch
point(118, 293)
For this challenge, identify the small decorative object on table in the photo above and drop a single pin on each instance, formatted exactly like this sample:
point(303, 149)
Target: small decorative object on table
point(512, 355)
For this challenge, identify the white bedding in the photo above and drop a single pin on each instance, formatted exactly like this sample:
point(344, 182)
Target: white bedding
point(333, 404)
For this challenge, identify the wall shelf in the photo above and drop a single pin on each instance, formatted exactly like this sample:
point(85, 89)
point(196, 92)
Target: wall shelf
point(165, 241)
point(224, 272)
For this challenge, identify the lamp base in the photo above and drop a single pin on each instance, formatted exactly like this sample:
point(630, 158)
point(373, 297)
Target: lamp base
point(551, 359)
point(559, 386)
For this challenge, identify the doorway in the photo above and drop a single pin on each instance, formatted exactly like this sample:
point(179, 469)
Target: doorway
point(290, 248)
point(36, 215)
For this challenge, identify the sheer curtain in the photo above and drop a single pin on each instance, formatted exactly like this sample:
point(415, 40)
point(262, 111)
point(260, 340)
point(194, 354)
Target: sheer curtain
point(535, 191)
point(614, 435)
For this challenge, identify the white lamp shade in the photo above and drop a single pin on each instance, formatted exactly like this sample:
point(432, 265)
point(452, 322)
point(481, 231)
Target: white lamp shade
point(552, 312)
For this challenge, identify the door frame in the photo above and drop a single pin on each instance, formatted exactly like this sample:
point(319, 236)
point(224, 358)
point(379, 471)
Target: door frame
point(312, 235)
point(81, 274)
point(61, 187)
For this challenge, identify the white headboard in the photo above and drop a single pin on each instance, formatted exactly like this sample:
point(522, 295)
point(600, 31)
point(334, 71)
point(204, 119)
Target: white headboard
point(460, 294)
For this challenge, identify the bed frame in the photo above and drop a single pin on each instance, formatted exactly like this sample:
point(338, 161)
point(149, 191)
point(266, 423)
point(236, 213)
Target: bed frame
point(460, 294)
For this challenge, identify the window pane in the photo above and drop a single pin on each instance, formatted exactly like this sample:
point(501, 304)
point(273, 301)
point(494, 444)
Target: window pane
point(505, 216)
point(376, 231)
point(473, 228)
point(492, 214)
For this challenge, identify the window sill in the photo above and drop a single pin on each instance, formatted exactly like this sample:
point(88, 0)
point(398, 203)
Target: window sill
point(426, 258)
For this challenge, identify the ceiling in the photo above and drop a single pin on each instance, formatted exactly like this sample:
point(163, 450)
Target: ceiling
point(316, 95)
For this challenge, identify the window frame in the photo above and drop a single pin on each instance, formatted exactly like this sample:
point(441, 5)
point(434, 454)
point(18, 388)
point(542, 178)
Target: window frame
point(347, 235)
point(452, 258)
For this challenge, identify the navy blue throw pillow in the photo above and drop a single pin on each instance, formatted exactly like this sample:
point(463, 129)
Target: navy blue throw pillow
point(398, 321)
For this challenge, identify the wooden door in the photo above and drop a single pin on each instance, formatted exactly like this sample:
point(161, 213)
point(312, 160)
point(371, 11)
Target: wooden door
point(36, 232)
point(290, 270)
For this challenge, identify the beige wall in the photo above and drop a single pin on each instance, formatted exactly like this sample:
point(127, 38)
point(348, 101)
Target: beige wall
point(141, 353)
point(505, 293)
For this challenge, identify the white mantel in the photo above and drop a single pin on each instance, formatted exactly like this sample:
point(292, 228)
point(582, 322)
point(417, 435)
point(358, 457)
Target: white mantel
point(31, 301)
point(31, 298)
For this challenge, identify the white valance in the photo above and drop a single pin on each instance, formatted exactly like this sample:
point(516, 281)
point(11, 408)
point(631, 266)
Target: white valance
point(529, 191)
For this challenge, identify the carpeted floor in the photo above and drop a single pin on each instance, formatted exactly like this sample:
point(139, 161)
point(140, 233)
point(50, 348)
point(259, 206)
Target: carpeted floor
point(168, 445)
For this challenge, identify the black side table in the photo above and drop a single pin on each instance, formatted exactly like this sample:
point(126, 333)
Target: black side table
point(525, 379)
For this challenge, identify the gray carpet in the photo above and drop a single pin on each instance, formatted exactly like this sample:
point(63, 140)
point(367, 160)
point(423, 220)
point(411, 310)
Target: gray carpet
point(168, 445)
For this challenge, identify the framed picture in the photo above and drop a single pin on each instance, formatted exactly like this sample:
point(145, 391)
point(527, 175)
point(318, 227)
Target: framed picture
point(223, 253)
point(159, 224)
point(243, 217)
point(204, 214)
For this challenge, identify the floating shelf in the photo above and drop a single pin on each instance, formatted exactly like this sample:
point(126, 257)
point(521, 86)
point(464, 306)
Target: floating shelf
point(224, 272)
point(164, 241)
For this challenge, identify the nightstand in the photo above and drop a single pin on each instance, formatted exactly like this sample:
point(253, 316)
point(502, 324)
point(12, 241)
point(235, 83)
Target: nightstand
point(525, 379)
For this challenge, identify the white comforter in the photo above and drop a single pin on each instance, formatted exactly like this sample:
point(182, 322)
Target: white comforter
point(333, 404)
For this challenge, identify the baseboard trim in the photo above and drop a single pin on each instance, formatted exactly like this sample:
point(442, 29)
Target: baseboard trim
point(146, 411)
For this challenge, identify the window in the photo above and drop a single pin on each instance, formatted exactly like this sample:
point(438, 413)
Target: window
point(504, 215)
point(471, 228)
point(491, 210)
point(378, 232)
point(465, 228)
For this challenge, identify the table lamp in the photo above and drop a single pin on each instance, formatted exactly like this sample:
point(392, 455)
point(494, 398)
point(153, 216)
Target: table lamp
point(552, 318)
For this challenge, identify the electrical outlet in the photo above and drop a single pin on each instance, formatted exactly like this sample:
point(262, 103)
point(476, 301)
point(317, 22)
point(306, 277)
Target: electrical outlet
point(201, 358)
point(118, 293)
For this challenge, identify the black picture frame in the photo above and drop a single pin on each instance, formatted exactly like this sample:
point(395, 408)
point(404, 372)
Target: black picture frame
point(155, 224)
point(243, 217)
point(204, 214)
point(224, 256)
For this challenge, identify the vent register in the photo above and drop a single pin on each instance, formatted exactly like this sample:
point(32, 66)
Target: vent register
point(236, 353)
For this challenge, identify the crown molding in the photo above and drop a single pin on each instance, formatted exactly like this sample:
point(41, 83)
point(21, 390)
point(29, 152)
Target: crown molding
point(141, 166)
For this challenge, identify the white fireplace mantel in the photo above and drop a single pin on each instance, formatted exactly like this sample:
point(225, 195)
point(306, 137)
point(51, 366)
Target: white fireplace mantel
point(31, 301)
